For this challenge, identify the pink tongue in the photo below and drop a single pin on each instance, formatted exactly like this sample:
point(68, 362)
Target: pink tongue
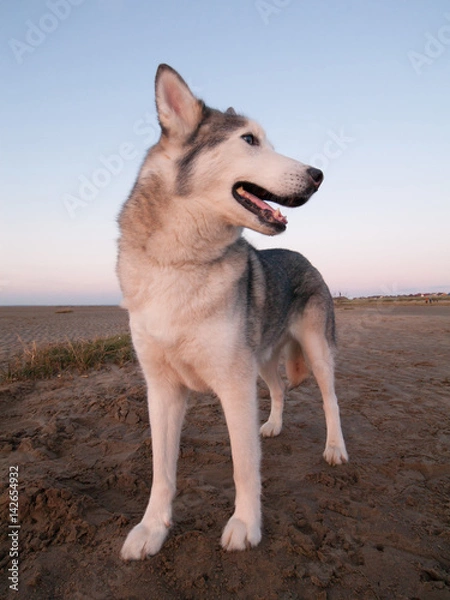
point(262, 205)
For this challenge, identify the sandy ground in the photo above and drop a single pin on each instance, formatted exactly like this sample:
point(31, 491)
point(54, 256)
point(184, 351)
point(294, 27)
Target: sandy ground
point(377, 528)
point(23, 325)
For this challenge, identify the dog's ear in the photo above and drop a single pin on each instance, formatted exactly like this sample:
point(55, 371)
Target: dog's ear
point(230, 111)
point(179, 111)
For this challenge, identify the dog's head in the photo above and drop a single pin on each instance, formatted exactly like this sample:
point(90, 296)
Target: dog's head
point(223, 162)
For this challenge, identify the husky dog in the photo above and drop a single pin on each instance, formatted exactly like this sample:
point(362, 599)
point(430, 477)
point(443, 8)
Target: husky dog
point(207, 310)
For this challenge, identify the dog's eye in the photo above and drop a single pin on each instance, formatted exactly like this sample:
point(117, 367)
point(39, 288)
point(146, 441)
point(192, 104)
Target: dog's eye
point(250, 139)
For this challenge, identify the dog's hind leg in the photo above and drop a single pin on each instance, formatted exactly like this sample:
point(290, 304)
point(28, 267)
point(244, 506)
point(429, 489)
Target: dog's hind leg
point(296, 371)
point(269, 371)
point(320, 358)
point(166, 408)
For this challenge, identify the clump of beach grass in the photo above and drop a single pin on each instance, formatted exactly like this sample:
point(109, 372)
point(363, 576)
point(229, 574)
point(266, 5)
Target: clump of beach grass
point(44, 362)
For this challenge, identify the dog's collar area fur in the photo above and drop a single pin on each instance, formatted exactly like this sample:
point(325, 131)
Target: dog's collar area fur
point(253, 197)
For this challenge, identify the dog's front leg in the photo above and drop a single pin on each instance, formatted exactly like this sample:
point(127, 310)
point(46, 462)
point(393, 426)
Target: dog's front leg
point(167, 405)
point(240, 407)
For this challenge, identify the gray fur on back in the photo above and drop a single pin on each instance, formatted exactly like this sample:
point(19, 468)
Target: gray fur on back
point(292, 283)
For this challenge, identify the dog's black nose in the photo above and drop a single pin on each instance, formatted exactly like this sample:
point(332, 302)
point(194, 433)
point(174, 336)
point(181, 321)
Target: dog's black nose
point(316, 175)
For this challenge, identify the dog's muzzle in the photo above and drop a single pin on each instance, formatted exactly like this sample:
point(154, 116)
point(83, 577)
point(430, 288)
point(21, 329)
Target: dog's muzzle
point(254, 198)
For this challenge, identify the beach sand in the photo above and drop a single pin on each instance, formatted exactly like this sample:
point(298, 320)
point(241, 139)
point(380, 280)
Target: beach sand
point(23, 325)
point(377, 528)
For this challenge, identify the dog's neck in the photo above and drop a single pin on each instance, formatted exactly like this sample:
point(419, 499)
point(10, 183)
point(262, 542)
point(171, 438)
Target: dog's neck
point(190, 239)
point(174, 238)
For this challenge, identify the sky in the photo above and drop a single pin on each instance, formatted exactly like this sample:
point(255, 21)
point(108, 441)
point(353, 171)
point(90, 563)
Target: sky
point(358, 88)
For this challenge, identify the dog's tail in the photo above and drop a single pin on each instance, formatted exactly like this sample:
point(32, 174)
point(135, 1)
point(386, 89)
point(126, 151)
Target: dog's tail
point(296, 367)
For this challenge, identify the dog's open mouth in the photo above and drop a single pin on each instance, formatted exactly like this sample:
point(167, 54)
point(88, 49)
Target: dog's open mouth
point(254, 198)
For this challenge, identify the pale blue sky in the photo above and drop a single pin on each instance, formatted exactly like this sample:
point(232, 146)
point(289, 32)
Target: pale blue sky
point(360, 88)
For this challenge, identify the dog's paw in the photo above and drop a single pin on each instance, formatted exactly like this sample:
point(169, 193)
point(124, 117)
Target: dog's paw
point(335, 455)
point(270, 429)
point(237, 535)
point(143, 541)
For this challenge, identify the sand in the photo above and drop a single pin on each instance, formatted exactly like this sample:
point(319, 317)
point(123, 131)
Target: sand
point(378, 527)
point(20, 326)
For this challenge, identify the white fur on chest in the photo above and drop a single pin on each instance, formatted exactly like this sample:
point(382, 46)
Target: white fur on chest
point(171, 305)
point(187, 321)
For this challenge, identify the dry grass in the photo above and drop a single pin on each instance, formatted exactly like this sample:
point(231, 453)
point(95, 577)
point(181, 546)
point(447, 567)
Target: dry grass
point(36, 362)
